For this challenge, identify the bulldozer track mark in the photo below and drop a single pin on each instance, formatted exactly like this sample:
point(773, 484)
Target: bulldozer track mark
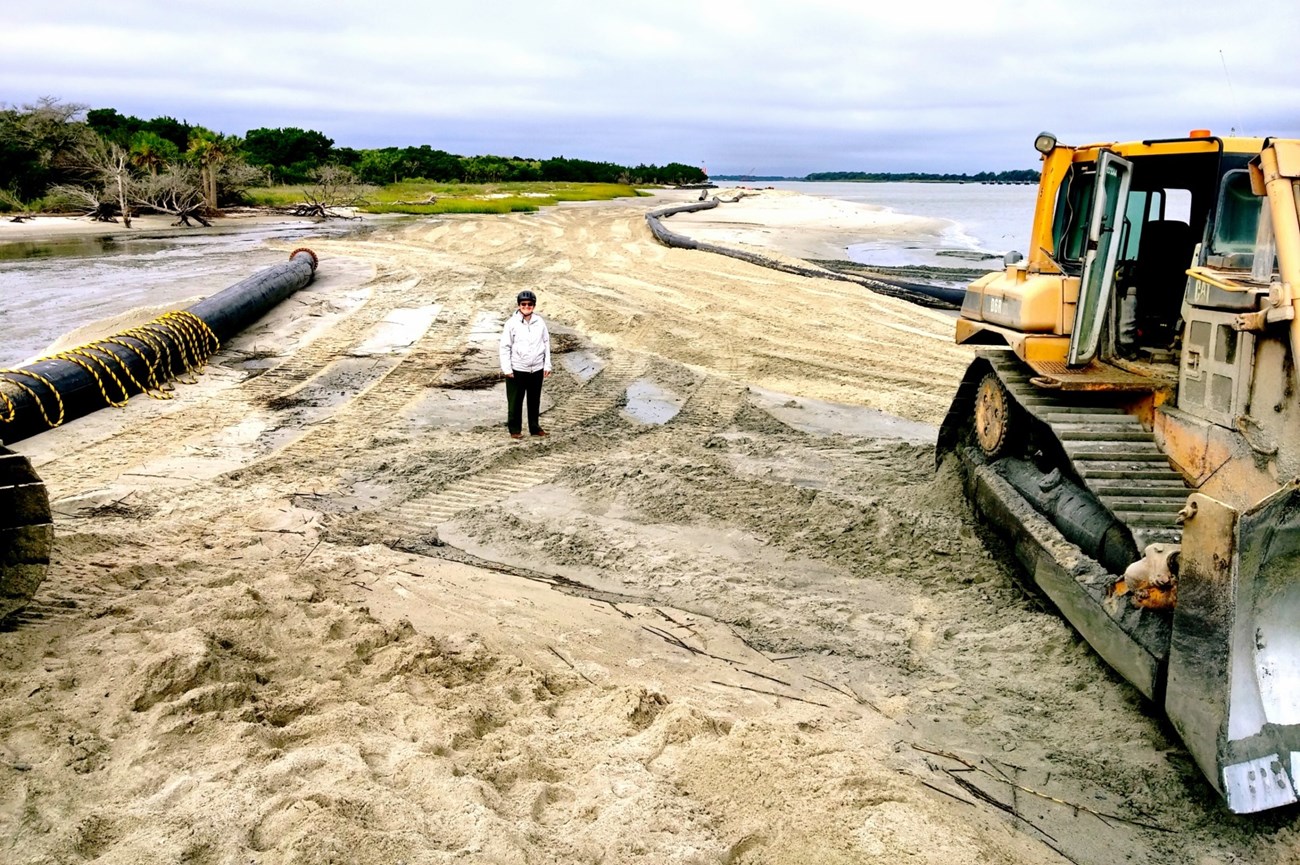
point(602, 393)
point(37, 612)
point(406, 381)
point(174, 431)
point(474, 491)
point(437, 349)
point(712, 405)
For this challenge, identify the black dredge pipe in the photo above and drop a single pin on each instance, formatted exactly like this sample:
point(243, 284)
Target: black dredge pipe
point(923, 295)
point(80, 381)
point(229, 311)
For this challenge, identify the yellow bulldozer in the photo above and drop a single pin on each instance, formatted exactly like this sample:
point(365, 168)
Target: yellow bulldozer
point(1130, 428)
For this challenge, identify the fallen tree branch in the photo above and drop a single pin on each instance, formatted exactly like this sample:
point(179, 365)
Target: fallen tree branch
point(681, 644)
point(570, 663)
point(1101, 815)
point(770, 693)
point(848, 692)
point(769, 678)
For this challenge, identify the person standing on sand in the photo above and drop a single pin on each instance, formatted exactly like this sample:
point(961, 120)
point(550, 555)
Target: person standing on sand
point(525, 362)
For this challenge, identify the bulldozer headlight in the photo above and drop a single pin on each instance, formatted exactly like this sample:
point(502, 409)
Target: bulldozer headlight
point(1045, 143)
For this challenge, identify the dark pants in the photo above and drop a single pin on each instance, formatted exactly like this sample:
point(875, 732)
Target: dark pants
point(524, 384)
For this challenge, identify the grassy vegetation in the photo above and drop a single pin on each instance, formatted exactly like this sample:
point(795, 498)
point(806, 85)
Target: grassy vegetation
point(425, 197)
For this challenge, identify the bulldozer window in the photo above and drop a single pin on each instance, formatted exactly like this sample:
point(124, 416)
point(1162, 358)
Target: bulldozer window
point(1233, 241)
point(1070, 224)
point(1141, 206)
point(1154, 205)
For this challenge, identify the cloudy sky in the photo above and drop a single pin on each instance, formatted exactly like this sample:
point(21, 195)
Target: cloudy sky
point(756, 88)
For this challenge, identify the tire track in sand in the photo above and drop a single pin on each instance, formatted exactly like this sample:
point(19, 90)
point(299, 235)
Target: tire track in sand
point(83, 469)
point(711, 406)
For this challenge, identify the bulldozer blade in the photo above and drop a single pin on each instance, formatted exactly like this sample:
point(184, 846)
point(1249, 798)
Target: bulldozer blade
point(26, 532)
point(1131, 642)
point(1233, 688)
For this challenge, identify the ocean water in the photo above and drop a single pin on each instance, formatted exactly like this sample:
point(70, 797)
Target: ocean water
point(983, 221)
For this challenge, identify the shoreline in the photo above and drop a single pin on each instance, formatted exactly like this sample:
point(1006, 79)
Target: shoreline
point(800, 225)
point(791, 223)
point(46, 227)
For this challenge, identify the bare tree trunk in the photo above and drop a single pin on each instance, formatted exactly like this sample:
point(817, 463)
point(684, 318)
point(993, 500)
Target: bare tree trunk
point(122, 201)
point(205, 179)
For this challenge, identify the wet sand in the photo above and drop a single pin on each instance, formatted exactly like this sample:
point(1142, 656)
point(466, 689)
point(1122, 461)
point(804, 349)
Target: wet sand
point(321, 608)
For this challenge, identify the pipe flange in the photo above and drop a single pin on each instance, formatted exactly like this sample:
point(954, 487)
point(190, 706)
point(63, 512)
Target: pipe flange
point(314, 259)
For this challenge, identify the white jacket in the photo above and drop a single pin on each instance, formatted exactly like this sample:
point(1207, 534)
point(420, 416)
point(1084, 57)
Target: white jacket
point(525, 345)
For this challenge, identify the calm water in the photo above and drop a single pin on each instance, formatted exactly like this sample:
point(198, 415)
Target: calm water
point(50, 288)
point(980, 219)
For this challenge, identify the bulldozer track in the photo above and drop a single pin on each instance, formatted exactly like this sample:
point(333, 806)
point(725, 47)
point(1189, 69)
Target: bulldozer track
point(1115, 457)
point(477, 490)
point(601, 394)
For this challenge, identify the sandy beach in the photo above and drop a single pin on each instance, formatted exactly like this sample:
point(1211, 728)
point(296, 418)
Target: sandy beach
point(803, 226)
point(321, 608)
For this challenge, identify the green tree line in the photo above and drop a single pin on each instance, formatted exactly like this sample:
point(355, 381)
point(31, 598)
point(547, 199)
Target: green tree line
point(53, 148)
point(1021, 176)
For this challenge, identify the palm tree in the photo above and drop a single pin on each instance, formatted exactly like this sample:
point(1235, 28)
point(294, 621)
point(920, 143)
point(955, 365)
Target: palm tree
point(150, 150)
point(208, 150)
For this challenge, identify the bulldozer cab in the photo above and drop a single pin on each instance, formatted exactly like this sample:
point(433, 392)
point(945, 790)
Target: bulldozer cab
point(1127, 221)
point(1116, 228)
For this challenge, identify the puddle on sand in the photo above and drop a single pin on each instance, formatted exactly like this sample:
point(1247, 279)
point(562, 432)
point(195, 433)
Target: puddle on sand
point(821, 418)
point(399, 330)
point(647, 402)
point(583, 365)
point(486, 328)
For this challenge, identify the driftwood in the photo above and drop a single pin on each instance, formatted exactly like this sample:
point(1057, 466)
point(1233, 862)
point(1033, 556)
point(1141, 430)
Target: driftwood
point(184, 217)
point(90, 201)
point(175, 191)
point(317, 210)
point(430, 199)
point(335, 187)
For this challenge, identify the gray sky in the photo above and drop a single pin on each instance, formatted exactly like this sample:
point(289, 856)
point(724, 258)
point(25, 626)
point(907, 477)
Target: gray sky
point(756, 87)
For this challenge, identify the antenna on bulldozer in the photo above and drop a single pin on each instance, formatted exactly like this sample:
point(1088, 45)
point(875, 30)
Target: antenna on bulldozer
point(1232, 94)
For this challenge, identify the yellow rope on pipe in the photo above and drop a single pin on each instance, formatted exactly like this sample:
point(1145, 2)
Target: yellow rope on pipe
point(182, 332)
point(8, 413)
